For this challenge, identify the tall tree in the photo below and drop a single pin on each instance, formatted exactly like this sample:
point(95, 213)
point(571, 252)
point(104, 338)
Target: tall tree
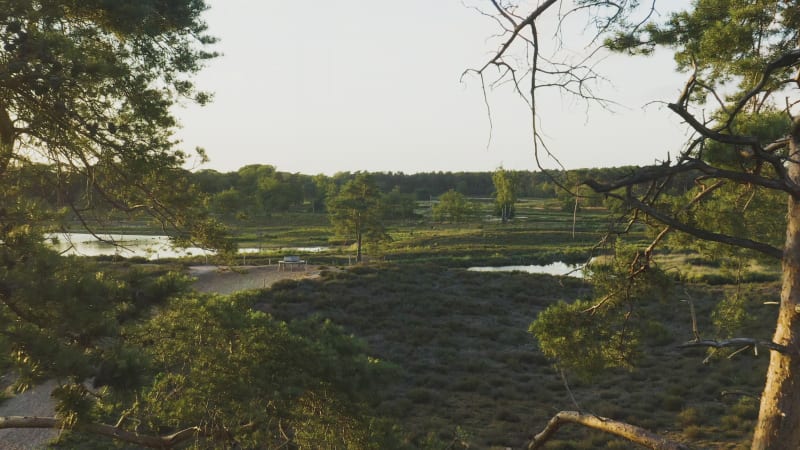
point(355, 211)
point(86, 92)
point(742, 60)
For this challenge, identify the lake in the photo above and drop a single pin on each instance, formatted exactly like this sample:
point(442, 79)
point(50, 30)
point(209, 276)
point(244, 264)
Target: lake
point(141, 245)
point(556, 268)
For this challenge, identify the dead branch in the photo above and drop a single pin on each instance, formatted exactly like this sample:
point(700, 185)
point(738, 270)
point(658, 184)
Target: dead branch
point(739, 393)
point(149, 441)
point(627, 431)
point(740, 342)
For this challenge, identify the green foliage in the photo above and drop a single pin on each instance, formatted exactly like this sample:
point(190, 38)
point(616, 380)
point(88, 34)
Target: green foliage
point(452, 206)
point(86, 91)
point(584, 342)
point(731, 314)
point(75, 403)
point(505, 192)
point(355, 211)
point(397, 205)
point(55, 309)
point(243, 376)
point(587, 336)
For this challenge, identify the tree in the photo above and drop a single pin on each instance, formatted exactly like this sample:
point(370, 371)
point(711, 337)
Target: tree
point(397, 205)
point(505, 193)
point(355, 211)
point(258, 382)
point(86, 92)
point(742, 60)
point(452, 205)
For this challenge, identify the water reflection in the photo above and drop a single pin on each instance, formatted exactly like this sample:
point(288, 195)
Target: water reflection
point(126, 245)
point(140, 245)
point(556, 268)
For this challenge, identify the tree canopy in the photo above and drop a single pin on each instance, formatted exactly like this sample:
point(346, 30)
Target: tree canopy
point(86, 133)
point(355, 211)
point(505, 193)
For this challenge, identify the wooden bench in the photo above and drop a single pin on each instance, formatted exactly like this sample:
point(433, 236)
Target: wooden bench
point(291, 262)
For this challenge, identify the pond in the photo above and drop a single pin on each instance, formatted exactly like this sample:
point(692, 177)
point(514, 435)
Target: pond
point(556, 268)
point(146, 246)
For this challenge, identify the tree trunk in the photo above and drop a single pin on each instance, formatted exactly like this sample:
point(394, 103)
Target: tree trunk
point(778, 425)
point(142, 440)
point(358, 246)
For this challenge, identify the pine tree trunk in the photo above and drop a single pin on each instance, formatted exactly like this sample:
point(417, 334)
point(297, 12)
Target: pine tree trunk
point(778, 425)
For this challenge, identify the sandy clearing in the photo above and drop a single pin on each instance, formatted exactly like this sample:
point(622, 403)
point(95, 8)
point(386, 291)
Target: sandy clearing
point(227, 280)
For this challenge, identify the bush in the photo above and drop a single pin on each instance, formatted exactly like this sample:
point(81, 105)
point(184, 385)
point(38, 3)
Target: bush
point(693, 432)
point(689, 417)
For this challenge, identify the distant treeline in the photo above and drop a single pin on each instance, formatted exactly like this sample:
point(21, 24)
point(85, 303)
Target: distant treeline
point(260, 190)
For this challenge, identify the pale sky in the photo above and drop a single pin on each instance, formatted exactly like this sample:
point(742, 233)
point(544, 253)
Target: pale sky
point(323, 86)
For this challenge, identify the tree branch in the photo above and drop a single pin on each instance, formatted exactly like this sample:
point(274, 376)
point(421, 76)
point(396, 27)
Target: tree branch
point(745, 141)
point(739, 342)
point(788, 59)
point(624, 430)
point(653, 173)
point(150, 441)
point(705, 234)
point(516, 31)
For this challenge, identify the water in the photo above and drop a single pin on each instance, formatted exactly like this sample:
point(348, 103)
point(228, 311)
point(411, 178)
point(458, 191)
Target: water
point(556, 268)
point(127, 245)
point(140, 245)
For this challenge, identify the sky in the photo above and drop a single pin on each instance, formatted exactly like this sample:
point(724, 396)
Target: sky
point(326, 86)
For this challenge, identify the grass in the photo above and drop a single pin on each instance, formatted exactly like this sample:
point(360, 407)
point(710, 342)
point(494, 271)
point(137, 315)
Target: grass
point(466, 360)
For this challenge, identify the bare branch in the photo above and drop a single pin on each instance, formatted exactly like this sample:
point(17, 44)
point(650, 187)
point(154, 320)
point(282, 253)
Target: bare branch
point(504, 13)
point(517, 30)
point(624, 430)
point(739, 342)
point(150, 441)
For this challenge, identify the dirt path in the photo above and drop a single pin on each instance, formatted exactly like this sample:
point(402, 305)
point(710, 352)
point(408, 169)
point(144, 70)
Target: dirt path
point(33, 402)
point(226, 280)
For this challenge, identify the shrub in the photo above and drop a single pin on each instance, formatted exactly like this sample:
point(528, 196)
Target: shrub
point(689, 417)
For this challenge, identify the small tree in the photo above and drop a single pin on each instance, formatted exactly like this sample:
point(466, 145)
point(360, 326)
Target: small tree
point(355, 211)
point(505, 193)
point(452, 206)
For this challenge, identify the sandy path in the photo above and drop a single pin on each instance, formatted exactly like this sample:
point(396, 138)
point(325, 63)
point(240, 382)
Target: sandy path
point(225, 280)
point(33, 402)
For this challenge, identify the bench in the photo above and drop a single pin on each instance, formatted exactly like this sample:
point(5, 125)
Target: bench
point(291, 262)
